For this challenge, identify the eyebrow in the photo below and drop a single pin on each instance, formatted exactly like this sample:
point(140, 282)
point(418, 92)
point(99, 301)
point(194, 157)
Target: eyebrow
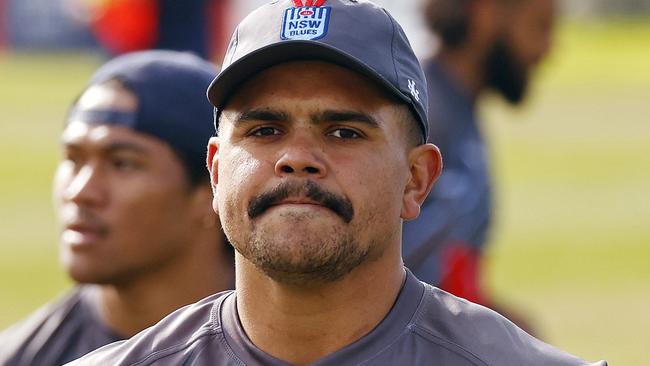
point(128, 146)
point(270, 115)
point(345, 116)
point(111, 147)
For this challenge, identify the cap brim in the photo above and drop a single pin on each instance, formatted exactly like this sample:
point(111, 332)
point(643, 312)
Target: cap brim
point(227, 82)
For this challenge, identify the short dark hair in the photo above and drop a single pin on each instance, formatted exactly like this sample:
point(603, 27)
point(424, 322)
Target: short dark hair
point(448, 19)
point(409, 122)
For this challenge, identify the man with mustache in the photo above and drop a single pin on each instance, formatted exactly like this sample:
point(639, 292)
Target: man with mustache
point(132, 195)
point(320, 155)
point(492, 45)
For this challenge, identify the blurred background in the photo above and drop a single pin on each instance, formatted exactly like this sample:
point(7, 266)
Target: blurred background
point(571, 242)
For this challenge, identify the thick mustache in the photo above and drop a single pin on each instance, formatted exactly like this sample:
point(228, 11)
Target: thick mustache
point(340, 205)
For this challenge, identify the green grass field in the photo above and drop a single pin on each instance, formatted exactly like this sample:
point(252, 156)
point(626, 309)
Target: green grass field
point(572, 231)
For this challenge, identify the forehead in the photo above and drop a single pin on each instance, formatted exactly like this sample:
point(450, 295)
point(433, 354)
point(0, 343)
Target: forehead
point(94, 134)
point(108, 95)
point(538, 9)
point(306, 82)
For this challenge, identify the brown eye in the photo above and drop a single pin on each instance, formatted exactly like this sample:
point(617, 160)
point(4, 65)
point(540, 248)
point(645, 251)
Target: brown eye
point(265, 131)
point(124, 164)
point(344, 133)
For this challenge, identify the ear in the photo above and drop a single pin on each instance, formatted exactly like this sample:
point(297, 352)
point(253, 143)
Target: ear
point(425, 163)
point(213, 167)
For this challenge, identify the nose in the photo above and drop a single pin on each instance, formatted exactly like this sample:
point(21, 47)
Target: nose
point(300, 159)
point(86, 187)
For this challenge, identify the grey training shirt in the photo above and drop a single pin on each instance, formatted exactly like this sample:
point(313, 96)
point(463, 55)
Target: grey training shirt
point(58, 332)
point(426, 326)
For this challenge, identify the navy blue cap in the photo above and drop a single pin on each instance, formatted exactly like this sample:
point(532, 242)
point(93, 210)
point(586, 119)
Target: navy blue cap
point(355, 34)
point(170, 88)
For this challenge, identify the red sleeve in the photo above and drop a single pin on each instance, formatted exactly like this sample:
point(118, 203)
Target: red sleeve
point(126, 25)
point(460, 273)
point(219, 28)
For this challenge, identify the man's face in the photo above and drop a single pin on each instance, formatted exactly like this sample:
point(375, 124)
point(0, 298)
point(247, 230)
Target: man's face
point(122, 198)
point(524, 40)
point(312, 165)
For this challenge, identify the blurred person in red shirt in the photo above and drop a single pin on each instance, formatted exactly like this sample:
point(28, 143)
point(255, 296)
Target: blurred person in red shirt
point(121, 26)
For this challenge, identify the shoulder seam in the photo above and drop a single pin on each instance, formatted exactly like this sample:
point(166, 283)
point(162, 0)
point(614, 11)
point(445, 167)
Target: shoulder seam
point(166, 352)
point(212, 329)
point(451, 346)
point(230, 352)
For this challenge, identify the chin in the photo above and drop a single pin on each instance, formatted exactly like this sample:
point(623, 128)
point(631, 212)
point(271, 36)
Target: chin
point(84, 276)
point(301, 255)
point(308, 222)
point(85, 271)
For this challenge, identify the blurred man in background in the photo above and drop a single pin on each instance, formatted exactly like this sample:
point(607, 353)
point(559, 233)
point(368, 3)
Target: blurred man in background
point(133, 199)
point(487, 45)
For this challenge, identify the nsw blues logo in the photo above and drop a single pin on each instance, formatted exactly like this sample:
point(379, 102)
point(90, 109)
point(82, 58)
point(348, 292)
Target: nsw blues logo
point(306, 22)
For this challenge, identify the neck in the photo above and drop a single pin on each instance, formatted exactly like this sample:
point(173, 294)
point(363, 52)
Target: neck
point(465, 66)
point(302, 325)
point(130, 307)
